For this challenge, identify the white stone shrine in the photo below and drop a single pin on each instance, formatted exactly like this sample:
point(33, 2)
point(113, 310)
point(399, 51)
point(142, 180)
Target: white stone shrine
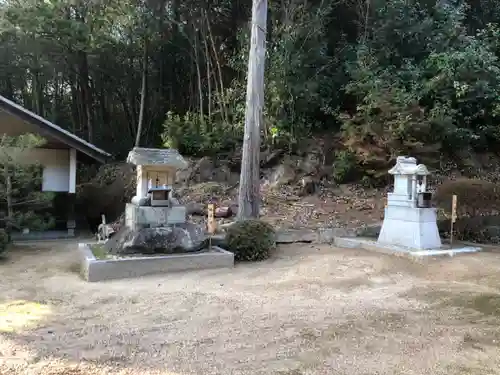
point(409, 220)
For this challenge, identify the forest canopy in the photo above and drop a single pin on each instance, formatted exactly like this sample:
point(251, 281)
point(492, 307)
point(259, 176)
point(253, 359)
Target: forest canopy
point(380, 77)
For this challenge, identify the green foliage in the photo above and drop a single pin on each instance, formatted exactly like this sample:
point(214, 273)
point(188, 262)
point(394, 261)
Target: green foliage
point(299, 87)
point(345, 166)
point(251, 240)
point(26, 200)
point(423, 86)
point(419, 77)
point(195, 135)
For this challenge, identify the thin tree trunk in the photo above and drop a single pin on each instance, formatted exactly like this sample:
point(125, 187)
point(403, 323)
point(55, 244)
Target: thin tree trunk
point(221, 82)
point(143, 93)
point(55, 99)
point(198, 73)
point(87, 96)
point(75, 114)
point(249, 192)
point(8, 198)
point(37, 90)
point(9, 88)
point(209, 80)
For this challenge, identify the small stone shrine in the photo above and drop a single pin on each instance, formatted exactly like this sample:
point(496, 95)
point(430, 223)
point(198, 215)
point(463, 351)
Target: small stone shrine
point(409, 219)
point(153, 204)
point(155, 222)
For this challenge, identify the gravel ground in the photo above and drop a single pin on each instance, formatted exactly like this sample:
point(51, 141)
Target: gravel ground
point(309, 310)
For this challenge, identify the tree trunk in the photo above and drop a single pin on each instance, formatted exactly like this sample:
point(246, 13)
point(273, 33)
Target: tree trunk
point(198, 74)
point(87, 96)
point(221, 81)
point(209, 79)
point(249, 193)
point(37, 90)
point(75, 114)
point(8, 198)
point(143, 93)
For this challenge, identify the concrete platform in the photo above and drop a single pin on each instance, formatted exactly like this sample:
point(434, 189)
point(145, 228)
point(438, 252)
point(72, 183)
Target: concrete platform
point(42, 236)
point(94, 270)
point(372, 245)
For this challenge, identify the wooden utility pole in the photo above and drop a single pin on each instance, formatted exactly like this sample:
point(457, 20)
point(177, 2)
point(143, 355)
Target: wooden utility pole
point(249, 194)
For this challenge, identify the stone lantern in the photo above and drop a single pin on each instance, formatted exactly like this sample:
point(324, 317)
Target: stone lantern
point(409, 219)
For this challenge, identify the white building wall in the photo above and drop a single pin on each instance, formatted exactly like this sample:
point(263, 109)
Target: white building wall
point(59, 175)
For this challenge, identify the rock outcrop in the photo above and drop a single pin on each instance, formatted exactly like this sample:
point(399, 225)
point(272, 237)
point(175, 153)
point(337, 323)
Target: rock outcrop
point(172, 239)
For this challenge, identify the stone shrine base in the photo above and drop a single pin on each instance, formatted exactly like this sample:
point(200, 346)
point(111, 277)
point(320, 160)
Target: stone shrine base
point(372, 245)
point(93, 269)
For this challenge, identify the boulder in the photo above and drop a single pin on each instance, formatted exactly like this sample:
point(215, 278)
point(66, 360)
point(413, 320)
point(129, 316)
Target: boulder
point(283, 174)
point(310, 163)
point(269, 158)
point(173, 239)
point(308, 186)
point(204, 169)
point(370, 230)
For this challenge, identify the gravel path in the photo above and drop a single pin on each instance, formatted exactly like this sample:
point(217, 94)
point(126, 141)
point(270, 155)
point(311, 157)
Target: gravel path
point(309, 310)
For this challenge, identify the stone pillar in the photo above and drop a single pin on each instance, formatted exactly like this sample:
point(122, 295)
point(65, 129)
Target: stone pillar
point(142, 182)
point(71, 222)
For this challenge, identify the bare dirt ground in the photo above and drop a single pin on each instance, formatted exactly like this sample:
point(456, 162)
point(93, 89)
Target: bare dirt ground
point(309, 310)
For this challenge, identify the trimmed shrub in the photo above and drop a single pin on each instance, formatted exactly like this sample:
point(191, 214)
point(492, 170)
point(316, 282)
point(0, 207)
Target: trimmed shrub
point(474, 197)
point(251, 240)
point(4, 240)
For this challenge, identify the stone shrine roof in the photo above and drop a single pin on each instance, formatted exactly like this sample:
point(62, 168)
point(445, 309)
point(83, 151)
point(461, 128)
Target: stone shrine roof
point(167, 157)
point(408, 166)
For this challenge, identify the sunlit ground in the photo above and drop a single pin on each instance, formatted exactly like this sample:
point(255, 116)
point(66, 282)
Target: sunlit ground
point(15, 315)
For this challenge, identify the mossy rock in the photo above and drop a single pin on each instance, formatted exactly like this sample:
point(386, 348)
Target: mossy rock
point(251, 240)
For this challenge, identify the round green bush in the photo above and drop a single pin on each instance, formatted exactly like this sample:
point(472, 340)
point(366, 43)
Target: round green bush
point(4, 240)
point(251, 240)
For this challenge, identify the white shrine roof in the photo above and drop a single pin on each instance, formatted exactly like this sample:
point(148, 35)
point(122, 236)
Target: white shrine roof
point(408, 166)
point(166, 157)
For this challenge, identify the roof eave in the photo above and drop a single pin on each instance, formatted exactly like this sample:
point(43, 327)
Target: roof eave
point(53, 131)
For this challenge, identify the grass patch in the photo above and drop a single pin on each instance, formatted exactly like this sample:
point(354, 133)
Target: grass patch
point(487, 304)
point(15, 315)
point(99, 251)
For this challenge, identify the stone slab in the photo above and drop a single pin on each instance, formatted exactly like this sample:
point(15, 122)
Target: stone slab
point(317, 236)
point(141, 216)
point(94, 270)
point(371, 245)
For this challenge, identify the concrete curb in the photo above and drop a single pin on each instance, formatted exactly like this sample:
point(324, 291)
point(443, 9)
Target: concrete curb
point(371, 245)
point(94, 270)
